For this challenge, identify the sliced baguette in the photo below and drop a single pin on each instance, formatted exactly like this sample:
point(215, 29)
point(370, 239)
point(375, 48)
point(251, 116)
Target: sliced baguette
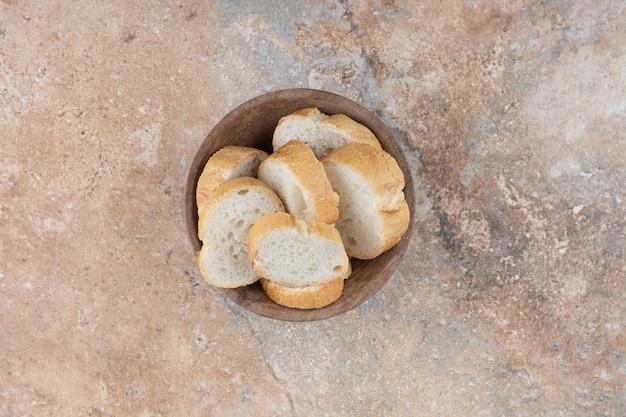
point(320, 132)
point(226, 164)
point(302, 125)
point(305, 297)
point(373, 213)
point(236, 206)
point(296, 253)
point(300, 181)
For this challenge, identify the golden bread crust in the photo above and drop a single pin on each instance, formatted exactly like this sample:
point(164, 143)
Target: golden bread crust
point(304, 297)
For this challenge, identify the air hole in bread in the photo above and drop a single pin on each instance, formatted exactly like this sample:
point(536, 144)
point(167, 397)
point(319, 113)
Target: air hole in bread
point(242, 192)
point(351, 241)
point(239, 223)
point(337, 268)
point(348, 220)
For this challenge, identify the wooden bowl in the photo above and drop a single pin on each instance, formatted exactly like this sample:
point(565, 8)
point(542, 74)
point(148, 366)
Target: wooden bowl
point(252, 124)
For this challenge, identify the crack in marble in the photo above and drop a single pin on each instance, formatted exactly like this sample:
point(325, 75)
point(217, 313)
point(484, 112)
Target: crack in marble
point(266, 361)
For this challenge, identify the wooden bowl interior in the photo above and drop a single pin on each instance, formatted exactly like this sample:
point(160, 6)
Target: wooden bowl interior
point(252, 124)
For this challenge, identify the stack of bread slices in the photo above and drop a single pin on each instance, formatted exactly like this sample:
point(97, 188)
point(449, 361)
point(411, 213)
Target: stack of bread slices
point(294, 218)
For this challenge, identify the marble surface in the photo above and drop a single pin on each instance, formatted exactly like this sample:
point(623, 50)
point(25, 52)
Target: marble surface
point(510, 300)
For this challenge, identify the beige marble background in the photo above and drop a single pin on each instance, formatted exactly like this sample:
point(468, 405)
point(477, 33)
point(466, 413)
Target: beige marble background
point(510, 300)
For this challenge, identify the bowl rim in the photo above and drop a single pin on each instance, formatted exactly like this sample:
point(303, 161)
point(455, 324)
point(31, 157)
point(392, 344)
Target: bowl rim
point(251, 298)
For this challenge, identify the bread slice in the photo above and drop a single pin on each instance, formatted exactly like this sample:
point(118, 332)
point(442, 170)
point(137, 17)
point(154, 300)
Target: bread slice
point(305, 297)
point(226, 164)
point(296, 253)
point(373, 213)
point(300, 181)
point(320, 132)
point(236, 206)
point(302, 125)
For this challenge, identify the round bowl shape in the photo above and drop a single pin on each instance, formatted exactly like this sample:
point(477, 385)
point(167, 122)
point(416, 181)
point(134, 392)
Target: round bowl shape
point(252, 124)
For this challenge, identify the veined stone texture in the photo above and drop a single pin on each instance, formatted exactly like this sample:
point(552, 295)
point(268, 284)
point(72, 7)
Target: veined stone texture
point(511, 299)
